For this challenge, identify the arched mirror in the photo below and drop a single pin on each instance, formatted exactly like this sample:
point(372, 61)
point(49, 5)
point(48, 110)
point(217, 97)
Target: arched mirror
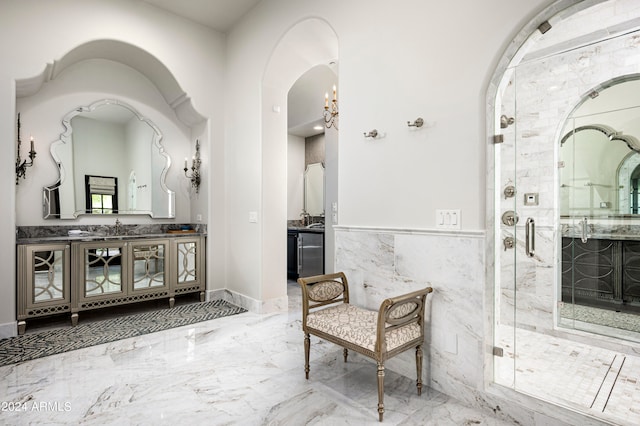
point(111, 161)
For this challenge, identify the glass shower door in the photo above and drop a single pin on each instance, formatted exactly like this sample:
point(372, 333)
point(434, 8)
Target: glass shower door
point(598, 209)
point(567, 245)
point(525, 250)
point(506, 236)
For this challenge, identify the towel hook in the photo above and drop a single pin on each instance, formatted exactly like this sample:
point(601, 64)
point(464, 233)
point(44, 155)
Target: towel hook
point(372, 134)
point(419, 122)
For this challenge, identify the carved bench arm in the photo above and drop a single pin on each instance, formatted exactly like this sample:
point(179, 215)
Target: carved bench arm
point(400, 311)
point(311, 299)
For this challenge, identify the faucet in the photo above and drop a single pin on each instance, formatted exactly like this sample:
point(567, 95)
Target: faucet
point(118, 228)
point(306, 217)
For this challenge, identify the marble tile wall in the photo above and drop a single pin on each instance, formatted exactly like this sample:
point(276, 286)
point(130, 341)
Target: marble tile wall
point(381, 263)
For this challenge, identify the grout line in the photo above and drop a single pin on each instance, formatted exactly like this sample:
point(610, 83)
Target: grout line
point(614, 383)
point(604, 379)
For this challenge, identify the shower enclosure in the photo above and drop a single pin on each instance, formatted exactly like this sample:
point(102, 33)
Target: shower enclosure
point(567, 232)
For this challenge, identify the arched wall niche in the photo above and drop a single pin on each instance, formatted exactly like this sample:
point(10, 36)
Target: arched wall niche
point(127, 54)
point(307, 43)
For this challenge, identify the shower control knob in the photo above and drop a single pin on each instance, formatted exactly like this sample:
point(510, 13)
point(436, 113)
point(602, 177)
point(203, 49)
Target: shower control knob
point(509, 191)
point(508, 242)
point(509, 218)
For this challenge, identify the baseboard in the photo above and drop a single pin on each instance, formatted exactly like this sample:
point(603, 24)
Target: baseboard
point(248, 303)
point(9, 329)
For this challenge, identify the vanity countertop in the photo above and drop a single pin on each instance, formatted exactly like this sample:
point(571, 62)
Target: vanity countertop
point(620, 237)
point(89, 237)
point(74, 233)
point(305, 229)
point(602, 231)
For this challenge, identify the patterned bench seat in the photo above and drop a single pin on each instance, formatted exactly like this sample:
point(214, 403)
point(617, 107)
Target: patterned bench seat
point(397, 326)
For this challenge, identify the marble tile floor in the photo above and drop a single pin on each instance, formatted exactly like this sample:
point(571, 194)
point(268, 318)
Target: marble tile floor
point(597, 381)
point(247, 370)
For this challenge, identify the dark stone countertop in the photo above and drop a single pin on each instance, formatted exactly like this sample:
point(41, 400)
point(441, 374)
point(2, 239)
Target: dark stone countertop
point(73, 233)
point(305, 229)
point(89, 237)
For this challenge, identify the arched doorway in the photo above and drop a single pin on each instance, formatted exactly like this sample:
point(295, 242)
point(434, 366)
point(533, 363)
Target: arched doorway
point(308, 43)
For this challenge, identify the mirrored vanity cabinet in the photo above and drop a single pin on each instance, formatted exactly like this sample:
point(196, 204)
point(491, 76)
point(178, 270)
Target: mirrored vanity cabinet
point(110, 161)
point(83, 273)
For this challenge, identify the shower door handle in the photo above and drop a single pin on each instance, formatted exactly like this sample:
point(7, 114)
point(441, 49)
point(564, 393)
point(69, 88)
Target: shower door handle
point(530, 237)
point(585, 226)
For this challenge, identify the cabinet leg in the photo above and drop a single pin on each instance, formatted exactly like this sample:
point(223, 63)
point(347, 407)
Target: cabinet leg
point(172, 301)
point(202, 296)
point(22, 327)
point(74, 319)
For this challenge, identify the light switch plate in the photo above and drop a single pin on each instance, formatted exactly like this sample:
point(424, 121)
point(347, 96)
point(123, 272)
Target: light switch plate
point(448, 219)
point(253, 217)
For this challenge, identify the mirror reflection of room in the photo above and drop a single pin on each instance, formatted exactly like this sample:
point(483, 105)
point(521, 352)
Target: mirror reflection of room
point(599, 156)
point(111, 161)
point(599, 169)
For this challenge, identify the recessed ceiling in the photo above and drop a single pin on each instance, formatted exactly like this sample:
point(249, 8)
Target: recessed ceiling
point(220, 15)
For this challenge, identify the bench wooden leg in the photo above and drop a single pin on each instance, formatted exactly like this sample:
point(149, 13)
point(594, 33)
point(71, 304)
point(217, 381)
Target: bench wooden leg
point(345, 352)
point(307, 347)
point(380, 390)
point(419, 368)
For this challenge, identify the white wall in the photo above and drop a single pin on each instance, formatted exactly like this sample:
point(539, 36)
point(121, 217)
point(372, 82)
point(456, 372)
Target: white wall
point(439, 70)
point(295, 177)
point(195, 55)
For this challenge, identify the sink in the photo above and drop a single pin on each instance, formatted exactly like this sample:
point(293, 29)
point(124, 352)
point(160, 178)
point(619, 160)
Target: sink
point(315, 225)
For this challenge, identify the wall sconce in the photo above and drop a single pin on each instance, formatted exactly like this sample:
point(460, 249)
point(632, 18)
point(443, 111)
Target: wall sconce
point(331, 114)
point(21, 165)
point(194, 177)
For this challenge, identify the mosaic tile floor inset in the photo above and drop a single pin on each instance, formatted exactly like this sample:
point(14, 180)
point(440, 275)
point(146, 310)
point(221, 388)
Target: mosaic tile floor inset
point(55, 341)
point(581, 376)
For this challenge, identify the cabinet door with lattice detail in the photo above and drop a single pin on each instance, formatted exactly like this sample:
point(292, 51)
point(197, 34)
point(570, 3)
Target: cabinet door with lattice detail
point(100, 279)
point(43, 281)
point(188, 265)
point(148, 266)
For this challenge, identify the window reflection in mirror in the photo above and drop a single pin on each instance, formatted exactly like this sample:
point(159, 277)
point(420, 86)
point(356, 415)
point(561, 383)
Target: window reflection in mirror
point(101, 193)
point(598, 153)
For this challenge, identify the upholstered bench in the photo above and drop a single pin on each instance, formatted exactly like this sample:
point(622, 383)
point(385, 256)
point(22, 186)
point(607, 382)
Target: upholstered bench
point(397, 326)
